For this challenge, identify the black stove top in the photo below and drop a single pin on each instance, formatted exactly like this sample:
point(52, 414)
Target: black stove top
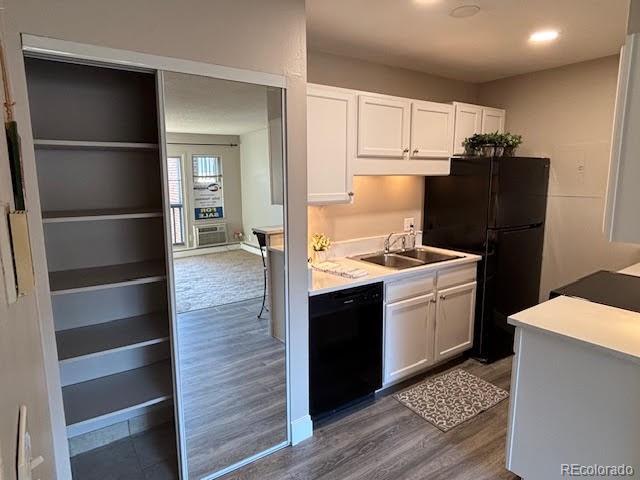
point(608, 288)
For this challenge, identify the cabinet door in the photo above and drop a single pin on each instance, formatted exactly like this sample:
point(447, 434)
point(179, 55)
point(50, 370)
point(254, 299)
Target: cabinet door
point(330, 144)
point(468, 122)
point(408, 337)
point(492, 120)
point(383, 127)
point(454, 320)
point(431, 130)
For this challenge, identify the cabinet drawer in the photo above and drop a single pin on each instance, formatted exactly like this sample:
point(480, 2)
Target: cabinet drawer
point(456, 276)
point(409, 287)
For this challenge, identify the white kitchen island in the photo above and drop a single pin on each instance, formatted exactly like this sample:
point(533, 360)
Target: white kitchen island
point(575, 390)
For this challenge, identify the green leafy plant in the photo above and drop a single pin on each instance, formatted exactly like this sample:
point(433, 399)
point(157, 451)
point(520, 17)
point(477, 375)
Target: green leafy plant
point(320, 242)
point(509, 141)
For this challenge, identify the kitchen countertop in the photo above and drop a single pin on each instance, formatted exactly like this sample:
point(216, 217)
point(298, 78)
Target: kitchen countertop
point(270, 230)
point(326, 282)
point(612, 329)
point(632, 270)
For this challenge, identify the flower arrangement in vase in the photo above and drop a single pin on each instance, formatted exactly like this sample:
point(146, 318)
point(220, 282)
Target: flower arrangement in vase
point(320, 245)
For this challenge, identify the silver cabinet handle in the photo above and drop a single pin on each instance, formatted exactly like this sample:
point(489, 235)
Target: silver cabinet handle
point(433, 300)
point(416, 151)
point(406, 150)
point(350, 194)
point(443, 297)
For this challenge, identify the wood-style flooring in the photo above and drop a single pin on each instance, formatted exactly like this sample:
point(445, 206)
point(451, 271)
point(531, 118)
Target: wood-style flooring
point(233, 385)
point(386, 440)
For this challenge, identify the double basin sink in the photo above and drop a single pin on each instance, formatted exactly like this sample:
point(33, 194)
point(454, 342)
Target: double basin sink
point(415, 257)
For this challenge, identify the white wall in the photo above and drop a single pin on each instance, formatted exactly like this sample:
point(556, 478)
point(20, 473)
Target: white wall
point(257, 210)
point(567, 114)
point(22, 380)
point(187, 144)
point(249, 34)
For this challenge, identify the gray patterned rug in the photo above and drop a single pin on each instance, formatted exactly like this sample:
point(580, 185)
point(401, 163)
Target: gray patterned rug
point(450, 399)
point(217, 279)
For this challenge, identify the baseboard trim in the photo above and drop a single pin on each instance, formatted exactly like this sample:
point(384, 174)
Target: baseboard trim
point(192, 252)
point(247, 247)
point(301, 429)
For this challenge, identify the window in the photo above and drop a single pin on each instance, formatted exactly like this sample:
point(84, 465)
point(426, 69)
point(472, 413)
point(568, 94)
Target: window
point(176, 199)
point(208, 199)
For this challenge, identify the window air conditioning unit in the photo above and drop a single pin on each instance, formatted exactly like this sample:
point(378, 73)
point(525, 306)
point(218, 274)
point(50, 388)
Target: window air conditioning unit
point(211, 235)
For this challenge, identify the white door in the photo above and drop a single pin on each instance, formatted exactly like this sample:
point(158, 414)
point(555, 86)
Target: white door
point(492, 120)
point(454, 320)
point(383, 127)
point(467, 123)
point(330, 144)
point(431, 130)
point(408, 337)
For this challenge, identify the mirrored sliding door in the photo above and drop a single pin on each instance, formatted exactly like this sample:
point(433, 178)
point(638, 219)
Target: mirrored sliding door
point(224, 191)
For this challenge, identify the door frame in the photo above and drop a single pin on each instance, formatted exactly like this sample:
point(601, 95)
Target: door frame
point(73, 52)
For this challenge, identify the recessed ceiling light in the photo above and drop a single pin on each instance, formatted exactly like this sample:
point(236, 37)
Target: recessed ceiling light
point(464, 11)
point(544, 36)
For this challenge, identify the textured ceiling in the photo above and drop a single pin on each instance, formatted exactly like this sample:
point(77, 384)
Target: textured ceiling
point(195, 104)
point(421, 35)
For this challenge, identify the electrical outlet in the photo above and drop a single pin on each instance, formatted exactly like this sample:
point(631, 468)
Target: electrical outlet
point(408, 223)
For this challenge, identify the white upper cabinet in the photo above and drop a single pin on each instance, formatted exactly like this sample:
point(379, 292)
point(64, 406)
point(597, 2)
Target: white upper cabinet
point(621, 219)
point(383, 127)
point(492, 120)
point(471, 119)
point(468, 122)
point(431, 130)
point(331, 125)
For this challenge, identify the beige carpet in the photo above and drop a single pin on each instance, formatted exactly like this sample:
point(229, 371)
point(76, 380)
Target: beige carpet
point(215, 279)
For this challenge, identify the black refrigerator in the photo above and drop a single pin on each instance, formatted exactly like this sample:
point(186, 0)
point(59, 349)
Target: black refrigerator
point(496, 208)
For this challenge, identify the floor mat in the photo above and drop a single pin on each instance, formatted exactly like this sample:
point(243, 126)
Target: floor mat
point(450, 399)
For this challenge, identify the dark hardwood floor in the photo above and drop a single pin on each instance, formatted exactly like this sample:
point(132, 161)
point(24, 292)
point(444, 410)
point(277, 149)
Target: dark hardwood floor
point(386, 440)
point(233, 385)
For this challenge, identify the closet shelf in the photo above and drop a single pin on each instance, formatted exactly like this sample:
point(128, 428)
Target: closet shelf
point(113, 395)
point(116, 335)
point(63, 216)
point(111, 276)
point(85, 145)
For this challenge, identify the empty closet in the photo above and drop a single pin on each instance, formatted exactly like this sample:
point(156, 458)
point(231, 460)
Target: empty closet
point(99, 169)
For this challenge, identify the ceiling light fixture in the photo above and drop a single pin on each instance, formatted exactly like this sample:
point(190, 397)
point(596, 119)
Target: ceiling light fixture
point(544, 36)
point(464, 11)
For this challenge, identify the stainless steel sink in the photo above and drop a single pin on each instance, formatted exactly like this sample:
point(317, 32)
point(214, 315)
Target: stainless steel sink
point(415, 257)
point(391, 260)
point(426, 256)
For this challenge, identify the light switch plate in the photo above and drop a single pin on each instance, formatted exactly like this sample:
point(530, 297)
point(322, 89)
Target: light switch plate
point(408, 222)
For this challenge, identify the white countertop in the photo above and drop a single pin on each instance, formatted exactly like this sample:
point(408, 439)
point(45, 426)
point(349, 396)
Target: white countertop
point(632, 270)
point(269, 230)
point(326, 282)
point(609, 328)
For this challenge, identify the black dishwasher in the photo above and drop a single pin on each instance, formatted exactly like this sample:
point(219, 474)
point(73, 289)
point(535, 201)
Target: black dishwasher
point(345, 347)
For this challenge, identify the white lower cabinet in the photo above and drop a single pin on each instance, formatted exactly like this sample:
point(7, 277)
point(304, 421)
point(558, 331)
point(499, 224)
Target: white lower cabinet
point(427, 319)
point(408, 339)
point(454, 320)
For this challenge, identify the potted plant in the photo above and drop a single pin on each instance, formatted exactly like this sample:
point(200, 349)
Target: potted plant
point(511, 143)
point(491, 141)
point(473, 144)
point(320, 244)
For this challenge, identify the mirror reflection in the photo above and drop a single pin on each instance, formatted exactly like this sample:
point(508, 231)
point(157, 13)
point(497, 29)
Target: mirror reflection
point(225, 183)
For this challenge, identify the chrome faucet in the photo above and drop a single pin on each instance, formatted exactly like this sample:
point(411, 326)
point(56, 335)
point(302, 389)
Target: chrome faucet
point(387, 244)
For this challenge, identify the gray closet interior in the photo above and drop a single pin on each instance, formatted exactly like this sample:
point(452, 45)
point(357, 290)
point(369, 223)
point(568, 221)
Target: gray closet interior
point(99, 175)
